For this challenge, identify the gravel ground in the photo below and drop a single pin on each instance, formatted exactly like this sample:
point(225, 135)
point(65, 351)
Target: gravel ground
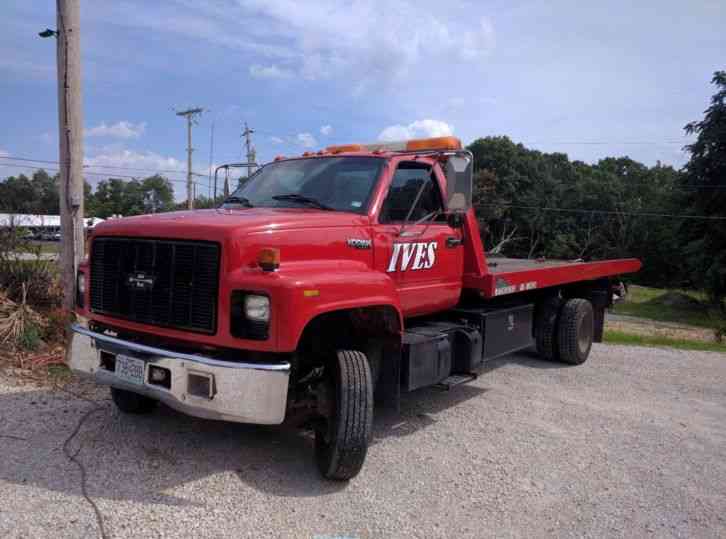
point(631, 444)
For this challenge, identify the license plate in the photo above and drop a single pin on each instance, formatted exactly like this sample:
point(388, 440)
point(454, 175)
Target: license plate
point(130, 369)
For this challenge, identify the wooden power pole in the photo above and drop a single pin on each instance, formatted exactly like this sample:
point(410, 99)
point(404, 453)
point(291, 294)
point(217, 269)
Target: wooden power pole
point(70, 135)
point(190, 115)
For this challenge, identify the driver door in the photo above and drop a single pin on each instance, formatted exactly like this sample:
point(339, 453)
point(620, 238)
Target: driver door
point(415, 245)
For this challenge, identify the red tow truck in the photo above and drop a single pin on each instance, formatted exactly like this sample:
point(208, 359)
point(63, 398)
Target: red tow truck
point(323, 283)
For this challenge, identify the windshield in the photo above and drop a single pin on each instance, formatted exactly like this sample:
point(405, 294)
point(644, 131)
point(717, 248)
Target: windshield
point(325, 183)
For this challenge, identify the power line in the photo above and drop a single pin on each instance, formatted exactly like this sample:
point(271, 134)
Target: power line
point(607, 212)
point(117, 167)
point(606, 142)
point(89, 173)
point(568, 142)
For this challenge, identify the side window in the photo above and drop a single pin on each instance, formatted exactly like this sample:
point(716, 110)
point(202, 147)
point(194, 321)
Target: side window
point(409, 178)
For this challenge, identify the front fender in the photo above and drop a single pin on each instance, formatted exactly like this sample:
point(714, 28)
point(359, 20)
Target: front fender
point(301, 291)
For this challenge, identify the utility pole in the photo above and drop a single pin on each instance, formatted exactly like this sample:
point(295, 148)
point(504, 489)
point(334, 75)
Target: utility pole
point(70, 136)
point(247, 134)
point(211, 158)
point(190, 115)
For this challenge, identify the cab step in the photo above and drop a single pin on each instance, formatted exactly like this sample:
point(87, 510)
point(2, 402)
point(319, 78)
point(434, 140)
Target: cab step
point(455, 380)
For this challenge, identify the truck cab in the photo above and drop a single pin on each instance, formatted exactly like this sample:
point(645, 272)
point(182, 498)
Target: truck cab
point(322, 284)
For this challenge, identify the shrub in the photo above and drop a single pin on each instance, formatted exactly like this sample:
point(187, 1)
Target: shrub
point(39, 278)
point(20, 325)
point(56, 322)
point(30, 337)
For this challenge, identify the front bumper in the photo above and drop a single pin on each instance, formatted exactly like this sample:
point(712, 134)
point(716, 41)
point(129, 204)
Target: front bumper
point(240, 392)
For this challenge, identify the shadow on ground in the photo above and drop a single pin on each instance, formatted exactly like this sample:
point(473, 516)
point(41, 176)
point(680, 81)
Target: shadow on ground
point(142, 458)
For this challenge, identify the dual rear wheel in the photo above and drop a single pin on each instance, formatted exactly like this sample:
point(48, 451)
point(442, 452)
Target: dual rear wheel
point(565, 331)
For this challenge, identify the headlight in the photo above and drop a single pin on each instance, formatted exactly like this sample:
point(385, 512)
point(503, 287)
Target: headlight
point(80, 288)
point(257, 308)
point(249, 315)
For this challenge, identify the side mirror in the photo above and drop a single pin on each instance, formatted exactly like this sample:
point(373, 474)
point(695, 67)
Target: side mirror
point(459, 187)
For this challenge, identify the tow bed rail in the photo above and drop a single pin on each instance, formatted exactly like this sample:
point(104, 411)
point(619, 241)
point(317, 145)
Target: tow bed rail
point(509, 276)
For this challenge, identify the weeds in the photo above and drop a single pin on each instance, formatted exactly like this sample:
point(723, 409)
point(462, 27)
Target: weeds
point(20, 325)
point(38, 278)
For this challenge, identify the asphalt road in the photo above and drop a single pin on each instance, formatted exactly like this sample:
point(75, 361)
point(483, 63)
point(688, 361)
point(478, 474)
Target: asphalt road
point(631, 444)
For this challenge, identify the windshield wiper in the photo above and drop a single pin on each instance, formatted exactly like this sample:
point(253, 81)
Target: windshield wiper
point(303, 200)
point(238, 200)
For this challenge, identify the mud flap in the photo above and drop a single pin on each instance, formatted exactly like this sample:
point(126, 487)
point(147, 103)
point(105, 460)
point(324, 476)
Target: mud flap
point(388, 389)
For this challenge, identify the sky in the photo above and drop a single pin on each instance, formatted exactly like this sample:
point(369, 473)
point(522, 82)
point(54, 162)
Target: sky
point(589, 79)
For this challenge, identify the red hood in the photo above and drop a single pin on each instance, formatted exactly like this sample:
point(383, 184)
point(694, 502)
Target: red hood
point(218, 224)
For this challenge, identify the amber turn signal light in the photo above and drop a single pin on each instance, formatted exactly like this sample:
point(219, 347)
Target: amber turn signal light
point(269, 259)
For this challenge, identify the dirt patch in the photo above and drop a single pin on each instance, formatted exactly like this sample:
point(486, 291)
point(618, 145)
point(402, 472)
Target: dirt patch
point(648, 328)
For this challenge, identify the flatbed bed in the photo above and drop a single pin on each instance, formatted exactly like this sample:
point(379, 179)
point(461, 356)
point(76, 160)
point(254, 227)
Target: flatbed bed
point(510, 275)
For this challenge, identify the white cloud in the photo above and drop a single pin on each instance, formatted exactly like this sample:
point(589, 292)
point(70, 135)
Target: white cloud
point(478, 43)
point(277, 140)
point(306, 140)
point(149, 161)
point(363, 41)
point(373, 37)
point(417, 129)
point(122, 129)
point(317, 39)
point(269, 72)
point(326, 130)
point(4, 153)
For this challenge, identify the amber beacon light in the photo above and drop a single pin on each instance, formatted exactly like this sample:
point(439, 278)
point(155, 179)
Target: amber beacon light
point(269, 259)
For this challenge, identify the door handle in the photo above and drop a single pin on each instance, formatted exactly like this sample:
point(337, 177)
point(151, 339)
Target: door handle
point(453, 241)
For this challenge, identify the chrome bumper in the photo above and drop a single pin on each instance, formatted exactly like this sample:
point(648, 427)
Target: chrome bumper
point(241, 392)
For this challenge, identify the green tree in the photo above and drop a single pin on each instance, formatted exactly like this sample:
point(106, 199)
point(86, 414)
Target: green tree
point(132, 197)
point(45, 187)
point(158, 194)
point(705, 178)
point(535, 204)
point(17, 195)
point(109, 198)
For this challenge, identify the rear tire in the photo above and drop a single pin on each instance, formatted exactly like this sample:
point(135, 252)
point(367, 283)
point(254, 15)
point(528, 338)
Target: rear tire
point(546, 329)
point(575, 331)
point(341, 442)
point(132, 403)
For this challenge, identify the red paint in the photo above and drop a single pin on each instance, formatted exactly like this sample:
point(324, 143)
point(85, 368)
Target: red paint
point(315, 256)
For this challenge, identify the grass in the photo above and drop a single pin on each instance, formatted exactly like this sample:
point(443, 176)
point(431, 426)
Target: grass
point(47, 247)
point(644, 302)
point(59, 373)
point(620, 337)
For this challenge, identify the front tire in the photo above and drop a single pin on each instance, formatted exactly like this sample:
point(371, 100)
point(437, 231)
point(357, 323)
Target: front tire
point(575, 331)
point(132, 403)
point(341, 441)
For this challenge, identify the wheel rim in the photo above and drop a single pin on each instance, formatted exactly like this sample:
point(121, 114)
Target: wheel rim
point(325, 424)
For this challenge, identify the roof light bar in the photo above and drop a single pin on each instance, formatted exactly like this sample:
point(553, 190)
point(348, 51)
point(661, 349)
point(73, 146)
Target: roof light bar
point(346, 148)
point(434, 143)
